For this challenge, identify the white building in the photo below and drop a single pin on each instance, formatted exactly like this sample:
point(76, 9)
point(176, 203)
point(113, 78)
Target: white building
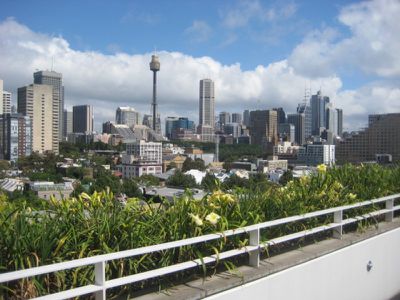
point(40, 102)
point(206, 110)
point(313, 155)
point(141, 158)
point(5, 100)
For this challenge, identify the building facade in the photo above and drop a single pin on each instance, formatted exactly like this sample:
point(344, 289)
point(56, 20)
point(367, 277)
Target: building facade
point(68, 123)
point(316, 154)
point(318, 113)
point(237, 118)
point(224, 118)
point(55, 80)
point(381, 137)
point(127, 116)
point(286, 132)
point(82, 116)
point(207, 103)
point(141, 158)
point(263, 127)
point(40, 103)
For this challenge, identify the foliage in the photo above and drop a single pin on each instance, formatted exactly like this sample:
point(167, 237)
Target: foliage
point(190, 164)
point(181, 180)
point(34, 233)
point(148, 180)
point(286, 177)
point(210, 182)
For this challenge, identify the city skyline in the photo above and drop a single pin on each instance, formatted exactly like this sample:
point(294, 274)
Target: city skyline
point(107, 79)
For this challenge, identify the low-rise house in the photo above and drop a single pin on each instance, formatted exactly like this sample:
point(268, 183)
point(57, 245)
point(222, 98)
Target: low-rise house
point(46, 189)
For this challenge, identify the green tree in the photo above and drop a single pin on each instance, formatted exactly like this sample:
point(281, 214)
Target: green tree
point(130, 188)
point(235, 181)
point(210, 182)
point(181, 180)
point(148, 180)
point(286, 177)
point(190, 164)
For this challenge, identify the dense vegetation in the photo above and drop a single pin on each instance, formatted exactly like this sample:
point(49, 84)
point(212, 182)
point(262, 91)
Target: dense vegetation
point(87, 225)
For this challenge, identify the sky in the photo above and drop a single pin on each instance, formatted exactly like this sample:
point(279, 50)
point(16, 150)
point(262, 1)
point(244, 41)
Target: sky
point(261, 54)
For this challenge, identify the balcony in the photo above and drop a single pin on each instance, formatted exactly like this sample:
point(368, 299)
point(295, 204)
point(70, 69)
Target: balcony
point(361, 265)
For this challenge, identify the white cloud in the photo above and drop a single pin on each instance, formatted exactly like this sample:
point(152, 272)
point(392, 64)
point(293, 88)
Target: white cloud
point(372, 47)
point(199, 31)
point(107, 81)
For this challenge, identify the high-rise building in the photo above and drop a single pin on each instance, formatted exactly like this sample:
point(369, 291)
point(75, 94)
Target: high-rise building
point(68, 123)
point(127, 116)
point(233, 129)
point(318, 113)
point(305, 109)
point(206, 103)
point(224, 118)
point(298, 120)
point(82, 119)
point(331, 119)
point(237, 118)
point(55, 80)
point(175, 126)
point(206, 110)
point(15, 136)
point(339, 121)
point(263, 127)
point(286, 132)
point(281, 115)
point(381, 137)
point(40, 103)
point(246, 117)
point(169, 125)
point(5, 100)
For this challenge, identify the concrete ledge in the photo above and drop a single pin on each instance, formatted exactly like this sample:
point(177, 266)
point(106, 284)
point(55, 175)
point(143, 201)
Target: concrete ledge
point(203, 287)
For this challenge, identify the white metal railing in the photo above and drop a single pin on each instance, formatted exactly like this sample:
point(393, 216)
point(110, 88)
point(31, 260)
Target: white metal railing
point(100, 286)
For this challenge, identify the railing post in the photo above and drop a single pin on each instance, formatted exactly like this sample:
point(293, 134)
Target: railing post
point(100, 279)
point(389, 215)
point(254, 255)
point(338, 218)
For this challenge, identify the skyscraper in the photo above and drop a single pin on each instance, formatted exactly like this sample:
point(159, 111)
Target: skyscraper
point(237, 118)
point(55, 80)
point(224, 118)
point(68, 123)
point(206, 110)
point(169, 123)
point(281, 115)
point(128, 116)
point(40, 103)
point(331, 119)
point(82, 119)
point(246, 117)
point(5, 100)
point(305, 109)
point(207, 103)
point(264, 127)
point(298, 120)
point(318, 113)
point(340, 121)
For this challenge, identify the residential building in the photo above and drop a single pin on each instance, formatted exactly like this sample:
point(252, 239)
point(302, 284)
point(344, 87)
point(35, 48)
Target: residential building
point(6, 102)
point(127, 116)
point(82, 119)
point(264, 127)
point(40, 103)
point(46, 190)
point(381, 137)
point(316, 154)
point(55, 80)
point(141, 158)
point(15, 136)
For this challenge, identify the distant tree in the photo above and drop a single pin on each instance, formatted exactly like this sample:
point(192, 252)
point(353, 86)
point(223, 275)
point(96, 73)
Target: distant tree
point(235, 181)
point(210, 182)
point(190, 164)
point(130, 188)
point(181, 180)
point(148, 180)
point(286, 177)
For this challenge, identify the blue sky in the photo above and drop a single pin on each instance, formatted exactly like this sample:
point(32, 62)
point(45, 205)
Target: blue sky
point(260, 53)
